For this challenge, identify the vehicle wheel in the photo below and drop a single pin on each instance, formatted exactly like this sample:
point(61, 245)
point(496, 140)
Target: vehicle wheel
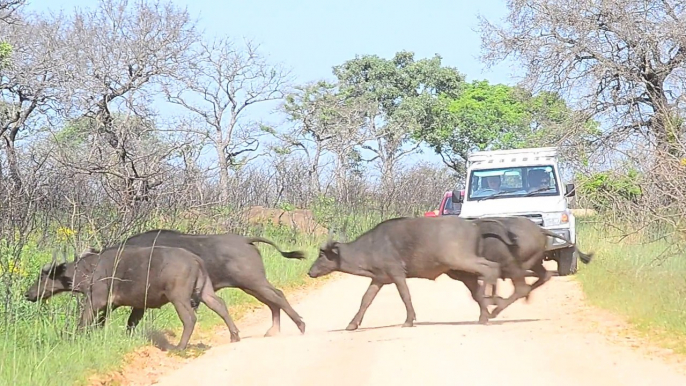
point(567, 262)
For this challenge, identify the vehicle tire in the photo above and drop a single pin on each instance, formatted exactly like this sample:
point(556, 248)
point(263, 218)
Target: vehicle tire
point(567, 262)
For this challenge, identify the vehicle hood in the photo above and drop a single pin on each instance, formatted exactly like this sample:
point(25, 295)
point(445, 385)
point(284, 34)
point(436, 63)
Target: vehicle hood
point(513, 206)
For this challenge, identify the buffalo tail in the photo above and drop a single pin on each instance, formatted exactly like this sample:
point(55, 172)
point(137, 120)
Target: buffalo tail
point(289, 255)
point(585, 258)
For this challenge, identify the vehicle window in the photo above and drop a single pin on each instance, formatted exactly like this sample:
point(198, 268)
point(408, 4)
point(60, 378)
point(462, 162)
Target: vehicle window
point(513, 182)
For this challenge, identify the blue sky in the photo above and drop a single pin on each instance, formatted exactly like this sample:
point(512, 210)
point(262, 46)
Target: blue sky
point(312, 36)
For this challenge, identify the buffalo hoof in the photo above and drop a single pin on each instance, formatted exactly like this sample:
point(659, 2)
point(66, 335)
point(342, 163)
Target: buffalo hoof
point(301, 327)
point(235, 338)
point(483, 319)
point(408, 324)
point(352, 327)
point(272, 332)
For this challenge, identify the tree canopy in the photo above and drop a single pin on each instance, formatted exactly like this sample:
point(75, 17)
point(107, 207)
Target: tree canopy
point(621, 60)
point(493, 116)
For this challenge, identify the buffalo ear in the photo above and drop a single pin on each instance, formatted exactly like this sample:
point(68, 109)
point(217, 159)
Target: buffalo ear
point(86, 252)
point(330, 250)
point(54, 270)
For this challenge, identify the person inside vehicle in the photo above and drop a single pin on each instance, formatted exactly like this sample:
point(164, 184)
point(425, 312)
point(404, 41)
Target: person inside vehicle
point(490, 184)
point(538, 180)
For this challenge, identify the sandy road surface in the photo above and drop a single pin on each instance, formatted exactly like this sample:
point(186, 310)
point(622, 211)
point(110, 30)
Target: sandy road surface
point(548, 341)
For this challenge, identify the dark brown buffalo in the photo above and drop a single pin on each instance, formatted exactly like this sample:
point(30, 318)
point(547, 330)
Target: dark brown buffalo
point(233, 261)
point(138, 277)
point(401, 248)
point(527, 252)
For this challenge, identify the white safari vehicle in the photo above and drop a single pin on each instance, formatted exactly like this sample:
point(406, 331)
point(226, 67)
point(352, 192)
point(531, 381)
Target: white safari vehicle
point(523, 182)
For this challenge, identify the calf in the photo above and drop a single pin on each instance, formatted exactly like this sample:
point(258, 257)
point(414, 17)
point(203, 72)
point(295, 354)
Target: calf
point(233, 261)
point(401, 248)
point(138, 277)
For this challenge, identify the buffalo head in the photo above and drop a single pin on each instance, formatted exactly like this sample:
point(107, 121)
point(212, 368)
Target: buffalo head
point(329, 260)
point(53, 279)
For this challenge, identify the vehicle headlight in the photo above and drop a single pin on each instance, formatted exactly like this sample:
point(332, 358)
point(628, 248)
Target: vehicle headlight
point(557, 218)
point(556, 241)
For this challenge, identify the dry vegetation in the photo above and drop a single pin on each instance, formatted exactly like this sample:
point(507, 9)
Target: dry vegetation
point(87, 157)
point(622, 63)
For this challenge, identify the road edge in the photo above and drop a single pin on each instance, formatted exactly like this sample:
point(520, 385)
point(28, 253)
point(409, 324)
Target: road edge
point(150, 363)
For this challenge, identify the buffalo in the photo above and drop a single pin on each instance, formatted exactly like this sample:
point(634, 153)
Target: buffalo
point(527, 252)
point(138, 277)
point(232, 261)
point(401, 248)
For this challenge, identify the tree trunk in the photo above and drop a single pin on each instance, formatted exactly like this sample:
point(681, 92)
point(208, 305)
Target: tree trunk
point(13, 165)
point(223, 170)
point(315, 185)
point(340, 179)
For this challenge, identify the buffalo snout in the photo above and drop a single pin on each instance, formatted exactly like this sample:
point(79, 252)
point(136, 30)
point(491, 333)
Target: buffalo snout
point(321, 267)
point(318, 269)
point(31, 295)
point(313, 273)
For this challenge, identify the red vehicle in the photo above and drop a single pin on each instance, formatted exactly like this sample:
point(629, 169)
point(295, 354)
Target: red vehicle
point(447, 207)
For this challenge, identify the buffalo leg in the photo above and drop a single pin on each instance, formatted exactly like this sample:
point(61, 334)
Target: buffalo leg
point(472, 283)
point(87, 315)
point(102, 318)
point(521, 289)
point(488, 270)
point(401, 284)
point(543, 276)
point(275, 329)
point(367, 299)
point(267, 294)
point(104, 314)
point(216, 304)
point(188, 318)
point(134, 318)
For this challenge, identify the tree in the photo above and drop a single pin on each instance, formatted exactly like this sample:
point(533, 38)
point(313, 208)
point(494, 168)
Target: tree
point(118, 52)
point(29, 82)
point(9, 10)
point(489, 117)
point(325, 123)
point(218, 87)
point(405, 92)
point(622, 59)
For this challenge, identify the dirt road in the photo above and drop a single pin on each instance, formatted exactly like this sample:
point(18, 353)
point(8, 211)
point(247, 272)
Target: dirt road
point(551, 340)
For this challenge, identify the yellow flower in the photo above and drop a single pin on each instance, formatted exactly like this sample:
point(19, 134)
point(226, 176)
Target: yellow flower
point(15, 269)
point(64, 234)
point(683, 162)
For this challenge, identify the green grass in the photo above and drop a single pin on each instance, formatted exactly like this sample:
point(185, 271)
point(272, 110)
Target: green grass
point(638, 281)
point(39, 345)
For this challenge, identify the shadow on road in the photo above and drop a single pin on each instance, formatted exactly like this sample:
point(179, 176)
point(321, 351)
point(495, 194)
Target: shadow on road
point(460, 323)
point(160, 341)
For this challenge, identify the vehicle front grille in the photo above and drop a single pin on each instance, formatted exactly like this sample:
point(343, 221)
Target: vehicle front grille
point(536, 218)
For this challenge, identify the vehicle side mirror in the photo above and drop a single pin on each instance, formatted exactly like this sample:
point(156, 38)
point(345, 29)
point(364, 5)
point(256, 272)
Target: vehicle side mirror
point(570, 191)
point(456, 197)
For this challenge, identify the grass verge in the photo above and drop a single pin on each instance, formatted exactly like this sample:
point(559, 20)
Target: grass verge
point(39, 346)
point(637, 281)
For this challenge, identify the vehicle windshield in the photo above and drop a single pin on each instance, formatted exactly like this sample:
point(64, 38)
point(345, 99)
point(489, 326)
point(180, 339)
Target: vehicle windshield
point(521, 181)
